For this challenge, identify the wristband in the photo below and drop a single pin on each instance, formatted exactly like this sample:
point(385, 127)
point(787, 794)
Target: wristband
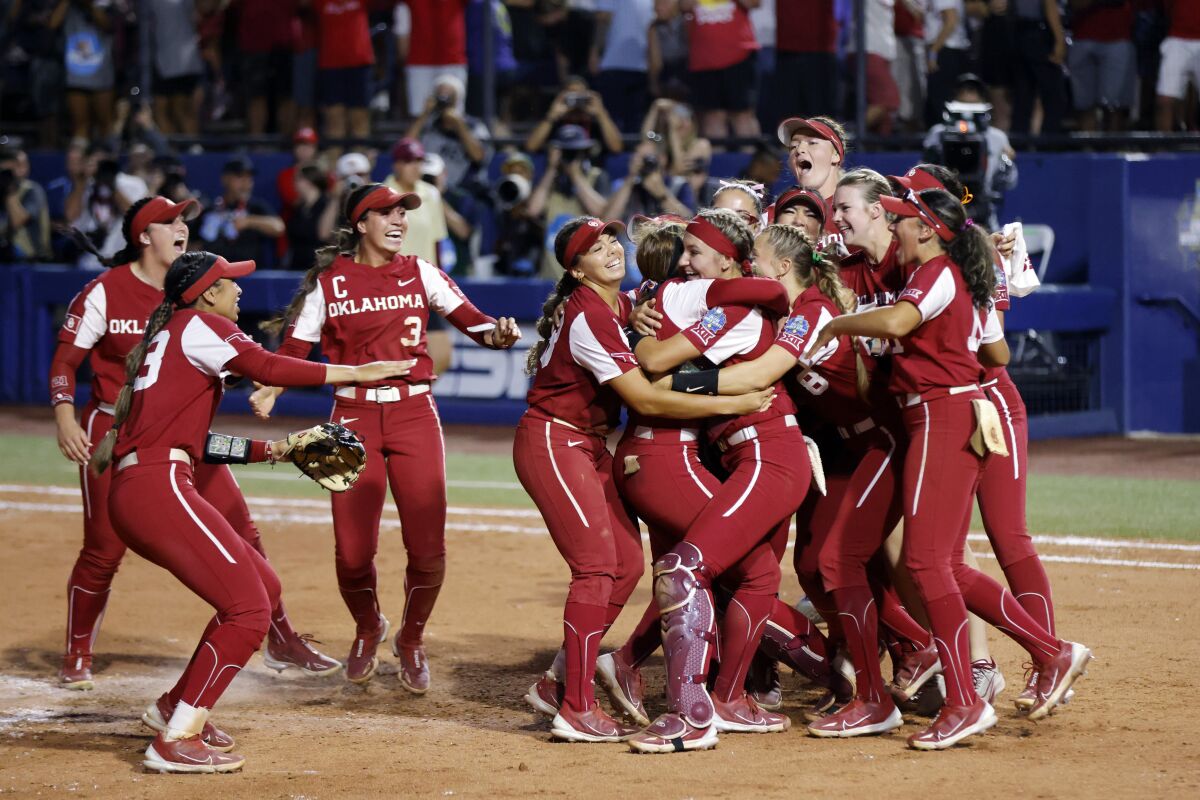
point(222, 449)
point(703, 382)
point(634, 337)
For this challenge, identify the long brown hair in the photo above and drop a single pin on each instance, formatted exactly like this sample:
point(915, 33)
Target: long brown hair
point(181, 272)
point(567, 284)
point(345, 243)
point(659, 247)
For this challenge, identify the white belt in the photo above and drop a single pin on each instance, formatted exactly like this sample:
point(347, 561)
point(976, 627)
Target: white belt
point(859, 427)
point(751, 432)
point(685, 434)
point(914, 399)
point(176, 454)
point(105, 408)
point(989, 384)
point(384, 394)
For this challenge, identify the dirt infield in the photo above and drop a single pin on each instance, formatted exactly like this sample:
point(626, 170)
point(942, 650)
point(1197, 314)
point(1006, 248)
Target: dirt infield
point(1128, 732)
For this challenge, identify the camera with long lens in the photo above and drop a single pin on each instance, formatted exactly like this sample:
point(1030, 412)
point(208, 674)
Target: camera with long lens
point(650, 165)
point(443, 100)
point(511, 191)
point(965, 150)
point(576, 100)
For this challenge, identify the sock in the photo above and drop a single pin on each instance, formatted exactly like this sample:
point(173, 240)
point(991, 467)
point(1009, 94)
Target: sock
point(360, 598)
point(895, 616)
point(421, 588)
point(741, 631)
point(645, 639)
point(1028, 581)
point(583, 626)
point(996, 606)
point(281, 627)
point(176, 691)
point(85, 611)
point(856, 606)
point(948, 617)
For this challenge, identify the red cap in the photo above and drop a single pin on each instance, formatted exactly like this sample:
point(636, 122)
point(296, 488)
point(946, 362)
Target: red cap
point(585, 236)
point(793, 125)
point(305, 136)
point(918, 180)
point(217, 268)
point(380, 198)
point(802, 196)
point(408, 149)
point(911, 205)
point(159, 210)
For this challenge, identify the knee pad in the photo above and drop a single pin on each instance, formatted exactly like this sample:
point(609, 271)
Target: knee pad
point(678, 576)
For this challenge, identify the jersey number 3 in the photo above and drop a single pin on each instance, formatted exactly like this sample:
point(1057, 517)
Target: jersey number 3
point(414, 332)
point(152, 363)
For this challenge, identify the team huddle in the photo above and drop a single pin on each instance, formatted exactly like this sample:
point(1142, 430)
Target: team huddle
point(835, 361)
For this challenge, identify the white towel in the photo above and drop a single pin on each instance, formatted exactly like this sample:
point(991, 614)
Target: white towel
point(1022, 277)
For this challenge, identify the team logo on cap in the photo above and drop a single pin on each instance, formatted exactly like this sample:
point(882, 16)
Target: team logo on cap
point(593, 223)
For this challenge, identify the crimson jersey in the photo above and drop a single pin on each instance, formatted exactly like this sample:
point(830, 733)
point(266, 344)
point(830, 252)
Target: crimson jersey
point(874, 285)
point(361, 314)
point(587, 349)
point(730, 335)
point(179, 387)
point(1001, 304)
point(830, 385)
point(941, 351)
point(108, 317)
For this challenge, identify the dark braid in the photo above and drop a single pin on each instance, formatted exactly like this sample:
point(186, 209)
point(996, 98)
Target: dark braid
point(181, 271)
point(567, 284)
point(971, 248)
point(345, 243)
point(132, 250)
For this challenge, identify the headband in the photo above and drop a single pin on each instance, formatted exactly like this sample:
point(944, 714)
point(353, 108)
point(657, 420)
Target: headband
point(711, 235)
point(756, 189)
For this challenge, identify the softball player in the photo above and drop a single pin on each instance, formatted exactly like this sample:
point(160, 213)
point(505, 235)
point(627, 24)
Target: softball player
point(940, 322)
point(583, 370)
point(743, 528)
point(105, 321)
point(744, 198)
point(816, 156)
point(172, 389)
point(801, 208)
point(362, 299)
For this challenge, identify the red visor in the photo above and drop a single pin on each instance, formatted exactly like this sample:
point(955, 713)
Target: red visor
point(159, 210)
point(585, 236)
point(800, 197)
point(911, 205)
point(918, 180)
point(793, 125)
point(219, 268)
point(382, 198)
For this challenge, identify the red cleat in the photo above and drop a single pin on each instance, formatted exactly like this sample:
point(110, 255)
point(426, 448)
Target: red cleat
point(742, 715)
point(546, 695)
point(593, 725)
point(671, 733)
point(914, 672)
point(298, 651)
point(859, 719)
point(953, 724)
point(362, 661)
point(1056, 676)
point(158, 714)
point(188, 755)
point(414, 669)
point(623, 685)
point(76, 671)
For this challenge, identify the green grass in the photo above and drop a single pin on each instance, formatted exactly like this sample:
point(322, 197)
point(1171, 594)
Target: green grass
point(1080, 505)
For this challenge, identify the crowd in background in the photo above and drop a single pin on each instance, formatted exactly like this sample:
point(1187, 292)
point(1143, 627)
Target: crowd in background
point(116, 83)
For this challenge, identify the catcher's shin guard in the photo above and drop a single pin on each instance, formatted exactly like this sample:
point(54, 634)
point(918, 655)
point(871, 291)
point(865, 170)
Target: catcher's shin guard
point(681, 589)
point(796, 652)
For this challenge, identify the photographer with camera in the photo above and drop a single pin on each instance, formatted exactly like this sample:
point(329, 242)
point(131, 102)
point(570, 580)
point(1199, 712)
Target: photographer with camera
point(650, 189)
point(100, 194)
point(462, 142)
point(519, 233)
point(24, 215)
point(570, 187)
point(427, 223)
point(967, 143)
point(238, 225)
point(311, 222)
point(576, 106)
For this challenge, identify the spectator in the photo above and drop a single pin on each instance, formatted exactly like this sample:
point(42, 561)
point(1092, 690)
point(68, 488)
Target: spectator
point(265, 42)
point(177, 65)
point(806, 72)
point(239, 226)
point(463, 143)
point(667, 52)
point(997, 42)
point(722, 63)
point(313, 215)
point(1180, 63)
point(1102, 63)
point(570, 187)
point(24, 214)
point(622, 27)
point(437, 46)
point(304, 69)
point(459, 250)
point(690, 153)
point(344, 59)
point(168, 177)
point(946, 56)
point(304, 151)
point(504, 62)
point(520, 233)
point(762, 19)
point(74, 172)
point(908, 69)
point(353, 170)
point(427, 224)
point(764, 167)
point(100, 194)
point(570, 27)
point(883, 98)
point(32, 30)
point(1039, 58)
point(576, 106)
point(650, 189)
point(90, 74)
point(211, 29)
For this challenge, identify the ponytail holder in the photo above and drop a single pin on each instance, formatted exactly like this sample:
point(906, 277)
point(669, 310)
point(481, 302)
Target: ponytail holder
point(968, 223)
point(967, 196)
point(747, 268)
point(817, 256)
